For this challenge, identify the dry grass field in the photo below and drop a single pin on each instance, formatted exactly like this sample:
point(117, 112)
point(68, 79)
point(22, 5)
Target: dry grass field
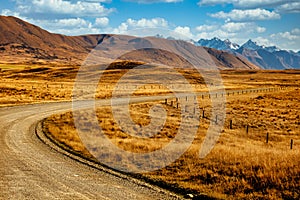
point(25, 84)
point(241, 166)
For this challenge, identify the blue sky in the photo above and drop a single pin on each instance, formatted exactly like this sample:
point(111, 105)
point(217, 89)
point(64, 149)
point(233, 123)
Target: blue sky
point(268, 22)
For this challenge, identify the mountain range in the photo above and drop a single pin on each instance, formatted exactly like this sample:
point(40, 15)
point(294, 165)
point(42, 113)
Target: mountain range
point(263, 56)
point(22, 42)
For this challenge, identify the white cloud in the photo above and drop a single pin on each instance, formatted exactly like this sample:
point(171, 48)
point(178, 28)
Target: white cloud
point(235, 27)
point(143, 23)
point(248, 3)
point(154, 1)
point(287, 40)
point(213, 2)
point(288, 35)
point(78, 31)
point(147, 23)
point(260, 29)
point(62, 7)
point(247, 15)
point(237, 32)
point(70, 26)
point(151, 27)
point(183, 32)
point(217, 33)
point(263, 41)
point(123, 27)
point(101, 22)
point(204, 28)
point(293, 7)
point(98, 1)
point(67, 26)
point(78, 22)
point(245, 27)
point(242, 27)
point(296, 31)
point(7, 12)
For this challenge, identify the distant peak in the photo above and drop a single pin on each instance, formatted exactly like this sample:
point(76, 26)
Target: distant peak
point(251, 42)
point(251, 45)
point(215, 38)
point(219, 44)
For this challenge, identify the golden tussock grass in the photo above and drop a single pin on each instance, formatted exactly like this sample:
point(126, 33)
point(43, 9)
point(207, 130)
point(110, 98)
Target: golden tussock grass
point(241, 165)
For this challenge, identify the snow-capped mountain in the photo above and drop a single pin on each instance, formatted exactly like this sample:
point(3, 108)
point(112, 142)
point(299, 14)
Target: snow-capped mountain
point(254, 46)
point(266, 57)
point(272, 49)
point(233, 46)
point(216, 43)
point(251, 45)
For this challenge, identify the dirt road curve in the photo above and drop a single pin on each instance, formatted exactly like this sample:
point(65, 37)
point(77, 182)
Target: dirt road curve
point(29, 169)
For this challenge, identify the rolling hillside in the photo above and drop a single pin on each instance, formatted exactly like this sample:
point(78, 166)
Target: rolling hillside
point(22, 42)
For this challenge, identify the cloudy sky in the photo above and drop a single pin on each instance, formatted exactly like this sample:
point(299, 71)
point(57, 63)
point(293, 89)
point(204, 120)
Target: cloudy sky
point(268, 22)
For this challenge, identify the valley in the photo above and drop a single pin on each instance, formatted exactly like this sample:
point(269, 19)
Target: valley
point(241, 164)
point(235, 109)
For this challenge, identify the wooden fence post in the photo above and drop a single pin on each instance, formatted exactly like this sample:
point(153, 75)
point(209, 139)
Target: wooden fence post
point(292, 141)
point(166, 101)
point(203, 113)
point(230, 124)
point(267, 138)
point(247, 129)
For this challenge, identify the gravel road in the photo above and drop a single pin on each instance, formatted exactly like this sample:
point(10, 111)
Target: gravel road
point(32, 170)
point(29, 169)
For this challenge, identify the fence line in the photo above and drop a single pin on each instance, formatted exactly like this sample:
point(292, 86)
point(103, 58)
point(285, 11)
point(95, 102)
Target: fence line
point(215, 119)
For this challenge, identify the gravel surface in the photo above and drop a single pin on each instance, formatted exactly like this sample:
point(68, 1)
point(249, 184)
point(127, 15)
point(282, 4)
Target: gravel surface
point(32, 170)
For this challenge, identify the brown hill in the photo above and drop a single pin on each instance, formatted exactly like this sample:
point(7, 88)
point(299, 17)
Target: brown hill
point(228, 60)
point(22, 42)
point(155, 50)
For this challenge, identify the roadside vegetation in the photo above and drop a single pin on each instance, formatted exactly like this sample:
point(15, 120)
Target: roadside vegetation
point(257, 162)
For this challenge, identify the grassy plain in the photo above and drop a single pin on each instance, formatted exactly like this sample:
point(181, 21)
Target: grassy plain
point(241, 165)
